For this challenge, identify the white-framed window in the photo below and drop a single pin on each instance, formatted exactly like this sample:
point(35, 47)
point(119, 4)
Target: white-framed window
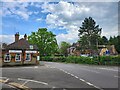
point(7, 58)
point(18, 57)
point(31, 46)
point(28, 57)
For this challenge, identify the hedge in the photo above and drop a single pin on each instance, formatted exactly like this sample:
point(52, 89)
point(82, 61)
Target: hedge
point(101, 60)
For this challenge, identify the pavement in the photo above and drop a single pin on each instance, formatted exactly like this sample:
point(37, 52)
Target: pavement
point(53, 75)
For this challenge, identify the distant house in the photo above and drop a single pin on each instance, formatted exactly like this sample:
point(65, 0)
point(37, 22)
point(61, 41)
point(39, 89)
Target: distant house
point(20, 52)
point(102, 50)
point(73, 50)
point(107, 50)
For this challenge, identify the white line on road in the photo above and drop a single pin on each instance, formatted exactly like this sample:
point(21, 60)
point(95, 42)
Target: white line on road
point(3, 77)
point(81, 79)
point(116, 76)
point(78, 77)
point(6, 80)
point(109, 69)
point(36, 67)
point(33, 81)
point(25, 83)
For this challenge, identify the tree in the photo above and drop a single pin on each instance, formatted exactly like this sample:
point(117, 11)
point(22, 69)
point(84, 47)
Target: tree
point(103, 40)
point(117, 46)
point(63, 47)
point(89, 33)
point(45, 41)
point(115, 41)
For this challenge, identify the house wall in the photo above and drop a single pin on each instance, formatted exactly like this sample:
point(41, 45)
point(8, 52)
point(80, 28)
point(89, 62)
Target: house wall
point(23, 61)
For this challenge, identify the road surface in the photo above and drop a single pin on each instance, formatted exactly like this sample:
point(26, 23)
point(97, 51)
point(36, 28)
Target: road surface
point(59, 75)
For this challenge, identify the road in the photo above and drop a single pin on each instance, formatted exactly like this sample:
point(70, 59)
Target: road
point(53, 75)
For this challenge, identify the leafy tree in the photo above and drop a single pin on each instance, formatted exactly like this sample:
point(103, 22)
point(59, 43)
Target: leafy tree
point(103, 40)
point(117, 46)
point(45, 41)
point(63, 47)
point(115, 41)
point(89, 33)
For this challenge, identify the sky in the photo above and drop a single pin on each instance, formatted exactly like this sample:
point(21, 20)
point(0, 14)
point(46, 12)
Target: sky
point(63, 18)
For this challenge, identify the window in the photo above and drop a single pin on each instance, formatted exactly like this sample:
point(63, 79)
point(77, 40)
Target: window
point(18, 57)
point(7, 58)
point(31, 46)
point(28, 57)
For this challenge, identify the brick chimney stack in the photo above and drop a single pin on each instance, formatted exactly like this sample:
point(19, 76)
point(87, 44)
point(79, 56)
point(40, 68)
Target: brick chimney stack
point(16, 36)
point(25, 37)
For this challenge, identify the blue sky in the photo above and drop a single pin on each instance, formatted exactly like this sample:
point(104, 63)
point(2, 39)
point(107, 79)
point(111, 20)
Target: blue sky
point(62, 18)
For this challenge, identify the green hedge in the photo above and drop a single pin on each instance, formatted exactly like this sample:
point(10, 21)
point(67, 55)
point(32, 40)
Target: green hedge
point(100, 60)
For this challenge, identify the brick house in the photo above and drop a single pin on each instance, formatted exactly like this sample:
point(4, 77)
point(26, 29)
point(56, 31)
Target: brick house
point(20, 52)
point(102, 50)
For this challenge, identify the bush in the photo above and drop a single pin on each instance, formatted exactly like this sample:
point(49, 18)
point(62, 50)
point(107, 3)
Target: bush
point(109, 60)
point(99, 60)
point(79, 59)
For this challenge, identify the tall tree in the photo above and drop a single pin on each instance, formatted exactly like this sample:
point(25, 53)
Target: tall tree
point(63, 47)
point(103, 40)
point(45, 41)
point(89, 33)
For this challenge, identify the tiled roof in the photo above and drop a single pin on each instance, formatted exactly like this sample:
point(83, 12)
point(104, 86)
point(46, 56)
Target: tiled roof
point(21, 44)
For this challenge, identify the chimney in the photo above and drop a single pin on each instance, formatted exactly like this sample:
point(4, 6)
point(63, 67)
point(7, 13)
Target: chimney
point(25, 37)
point(16, 36)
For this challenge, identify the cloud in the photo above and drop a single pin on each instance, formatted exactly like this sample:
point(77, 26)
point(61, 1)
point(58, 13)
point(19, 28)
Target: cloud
point(65, 15)
point(8, 38)
point(16, 9)
point(69, 16)
point(59, 0)
point(39, 19)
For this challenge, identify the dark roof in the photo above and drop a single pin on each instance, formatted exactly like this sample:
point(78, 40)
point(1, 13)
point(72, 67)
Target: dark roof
point(21, 44)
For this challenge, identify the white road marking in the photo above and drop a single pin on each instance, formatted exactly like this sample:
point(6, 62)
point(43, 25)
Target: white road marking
point(33, 81)
point(116, 76)
point(36, 67)
point(80, 79)
point(6, 80)
point(76, 77)
point(25, 83)
point(3, 77)
point(90, 70)
point(108, 69)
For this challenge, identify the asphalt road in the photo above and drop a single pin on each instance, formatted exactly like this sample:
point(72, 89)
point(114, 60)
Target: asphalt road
point(63, 76)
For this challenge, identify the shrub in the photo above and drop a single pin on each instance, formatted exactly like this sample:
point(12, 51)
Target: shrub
point(99, 60)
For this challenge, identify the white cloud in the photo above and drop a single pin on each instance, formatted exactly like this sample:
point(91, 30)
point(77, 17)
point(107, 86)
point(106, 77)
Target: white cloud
point(65, 15)
point(59, 0)
point(39, 19)
point(16, 9)
point(9, 38)
point(112, 32)
point(70, 16)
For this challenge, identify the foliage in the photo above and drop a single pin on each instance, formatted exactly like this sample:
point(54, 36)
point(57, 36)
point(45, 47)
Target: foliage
point(45, 41)
point(63, 47)
point(101, 60)
point(115, 41)
point(89, 33)
point(103, 40)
